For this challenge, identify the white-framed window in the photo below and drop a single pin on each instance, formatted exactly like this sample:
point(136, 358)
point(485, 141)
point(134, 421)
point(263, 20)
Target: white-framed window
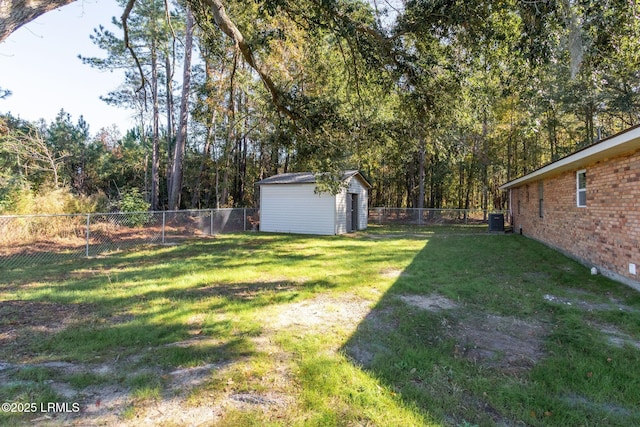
point(541, 199)
point(581, 188)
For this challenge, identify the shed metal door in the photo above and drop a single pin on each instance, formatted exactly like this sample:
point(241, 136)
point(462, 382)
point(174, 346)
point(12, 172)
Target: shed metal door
point(352, 212)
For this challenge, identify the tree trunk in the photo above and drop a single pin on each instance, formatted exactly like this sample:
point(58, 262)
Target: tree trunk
point(485, 165)
point(589, 111)
point(237, 152)
point(16, 13)
point(275, 157)
point(155, 150)
point(195, 197)
point(460, 185)
point(509, 146)
point(243, 169)
point(472, 165)
point(209, 139)
point(241, 151)
point(228, 151)
point(170, 125)
point(552, 134)
point(421, 173)
point(181, 140)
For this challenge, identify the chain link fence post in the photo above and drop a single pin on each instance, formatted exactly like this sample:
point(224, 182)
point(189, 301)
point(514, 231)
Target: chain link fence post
point(164, 221)
point(88, 227)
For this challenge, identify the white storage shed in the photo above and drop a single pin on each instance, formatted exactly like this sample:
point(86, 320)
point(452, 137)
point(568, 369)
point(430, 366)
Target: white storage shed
point(290, 204)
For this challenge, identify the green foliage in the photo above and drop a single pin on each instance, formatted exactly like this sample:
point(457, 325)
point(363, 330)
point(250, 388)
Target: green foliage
point(14, 197)
point(133, 201)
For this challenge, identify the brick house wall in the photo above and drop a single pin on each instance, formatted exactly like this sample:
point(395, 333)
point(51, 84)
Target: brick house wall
point(605, 233)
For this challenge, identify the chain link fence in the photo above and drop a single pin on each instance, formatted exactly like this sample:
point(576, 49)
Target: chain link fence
point(35, 239)
point(428, 216)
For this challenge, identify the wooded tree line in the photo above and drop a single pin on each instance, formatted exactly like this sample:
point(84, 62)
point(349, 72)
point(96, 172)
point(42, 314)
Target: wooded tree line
point(437, 102)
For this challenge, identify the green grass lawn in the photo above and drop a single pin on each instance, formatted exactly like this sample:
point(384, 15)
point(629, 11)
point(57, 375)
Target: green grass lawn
point(394, 326)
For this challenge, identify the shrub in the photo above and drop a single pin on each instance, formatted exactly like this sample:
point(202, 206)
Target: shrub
point(18, 201)
point(22, 200)
point(54, 205)
point(133, 201)
point(98, 202)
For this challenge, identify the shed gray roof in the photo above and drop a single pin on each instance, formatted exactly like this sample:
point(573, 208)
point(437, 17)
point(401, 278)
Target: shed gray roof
point(306, 178)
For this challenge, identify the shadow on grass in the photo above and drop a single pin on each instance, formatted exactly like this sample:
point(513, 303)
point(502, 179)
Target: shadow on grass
point(150, 272)
point(124, 325)
point(75, 332)
point(131, 301)
point(19, 264)
point(134, 314)
point(466, 336)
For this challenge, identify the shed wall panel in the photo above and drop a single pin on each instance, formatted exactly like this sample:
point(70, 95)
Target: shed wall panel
point(341, 212)
point(296, 208)
point(355, 186)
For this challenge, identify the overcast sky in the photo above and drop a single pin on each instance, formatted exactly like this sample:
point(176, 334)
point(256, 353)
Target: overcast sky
point(39, 64)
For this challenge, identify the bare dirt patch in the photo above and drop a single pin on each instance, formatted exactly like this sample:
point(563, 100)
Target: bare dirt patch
point(320, 313)
point(362, 350)
point(584, 304)
point(391, 273)
point(506, 343)
point(246, 291)
point(48, 315)
point(615, 337)
point(608, 408)
point(432, 302)
point(106, 404)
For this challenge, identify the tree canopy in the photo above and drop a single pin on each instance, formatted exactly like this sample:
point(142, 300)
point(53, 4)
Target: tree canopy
point(438, 102)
